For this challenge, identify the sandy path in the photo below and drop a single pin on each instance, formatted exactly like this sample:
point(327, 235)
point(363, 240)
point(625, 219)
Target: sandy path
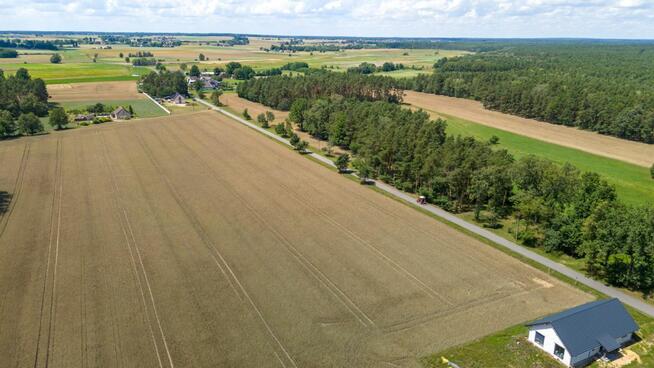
point(629, 151)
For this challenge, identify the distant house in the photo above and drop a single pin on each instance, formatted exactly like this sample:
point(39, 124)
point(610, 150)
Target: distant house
point(120, 114)
point(176, 99)
point(578, 336)
point(207, 82)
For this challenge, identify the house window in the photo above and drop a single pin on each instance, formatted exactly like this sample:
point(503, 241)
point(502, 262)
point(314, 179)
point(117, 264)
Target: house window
point(540, 339)
point(559, 351)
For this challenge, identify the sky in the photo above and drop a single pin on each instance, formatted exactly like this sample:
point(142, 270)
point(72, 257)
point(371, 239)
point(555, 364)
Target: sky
point(388, 18)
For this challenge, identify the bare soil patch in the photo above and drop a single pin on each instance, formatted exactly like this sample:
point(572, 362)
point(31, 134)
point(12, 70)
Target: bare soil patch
point(101, 91)
point(633, 152)
point(192, 241)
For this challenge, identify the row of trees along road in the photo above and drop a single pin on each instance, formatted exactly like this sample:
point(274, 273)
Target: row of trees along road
point(607, 88)
point(556, 207)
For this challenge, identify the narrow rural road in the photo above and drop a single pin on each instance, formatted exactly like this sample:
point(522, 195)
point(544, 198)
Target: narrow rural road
point(580, 278)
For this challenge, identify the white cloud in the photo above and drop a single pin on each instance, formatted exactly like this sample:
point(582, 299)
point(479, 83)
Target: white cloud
point(471, 18)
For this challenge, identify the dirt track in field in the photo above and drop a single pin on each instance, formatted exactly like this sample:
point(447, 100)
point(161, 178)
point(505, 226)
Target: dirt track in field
point(100, 91)
point(192, 241)
point(629, 151)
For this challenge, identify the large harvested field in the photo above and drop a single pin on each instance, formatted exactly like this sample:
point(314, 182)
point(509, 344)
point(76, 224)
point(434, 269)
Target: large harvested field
point(633, 152)
point(192, 241)
point(125, 90)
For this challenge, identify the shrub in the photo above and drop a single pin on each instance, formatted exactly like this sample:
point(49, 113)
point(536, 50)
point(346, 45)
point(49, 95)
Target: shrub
point(58, 118)
point(280, 130)
point(246, 115)
point(342, 162)
point(55, 59)
point(294, 140)
point(29, 124)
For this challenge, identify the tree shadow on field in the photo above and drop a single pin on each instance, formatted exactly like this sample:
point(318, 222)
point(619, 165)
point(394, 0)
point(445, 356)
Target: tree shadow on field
point(5, 199)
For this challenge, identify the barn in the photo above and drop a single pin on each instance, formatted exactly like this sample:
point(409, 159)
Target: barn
point(578, 336)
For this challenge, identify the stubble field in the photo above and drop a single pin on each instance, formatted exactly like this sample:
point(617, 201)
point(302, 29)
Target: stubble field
point(193, 241)
point(124, 90)
point(636, 153)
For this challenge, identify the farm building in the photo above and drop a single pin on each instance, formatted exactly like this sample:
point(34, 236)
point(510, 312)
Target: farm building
point(207, 82)
point(578, 336)
point(84, 117)
point(176, 99)
point(120, 114)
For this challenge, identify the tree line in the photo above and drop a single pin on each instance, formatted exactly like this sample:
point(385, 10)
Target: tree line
point(22, 101)
point(280, 91)
point(556, 207)
point(603, 88)
point(369, 68)
point(35, 44)
point(8, 54)
point(164, 83)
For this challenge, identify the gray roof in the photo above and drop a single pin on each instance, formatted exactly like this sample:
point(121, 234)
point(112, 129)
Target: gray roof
point(591, 325)
point(120, 110)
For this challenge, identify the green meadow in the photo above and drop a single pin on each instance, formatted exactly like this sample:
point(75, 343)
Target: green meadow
point(633, 183)
point(77, 72)
point(143, 108)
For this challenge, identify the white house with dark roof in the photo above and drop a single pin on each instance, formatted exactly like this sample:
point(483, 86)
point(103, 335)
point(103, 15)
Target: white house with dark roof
point(578, 336)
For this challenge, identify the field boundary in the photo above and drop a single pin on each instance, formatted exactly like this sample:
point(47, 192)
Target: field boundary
point(157, 103)
point(450, 218)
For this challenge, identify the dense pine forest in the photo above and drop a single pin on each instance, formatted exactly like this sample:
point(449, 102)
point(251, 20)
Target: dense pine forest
point(279, 92)
point(606, 88)
point(558, 208)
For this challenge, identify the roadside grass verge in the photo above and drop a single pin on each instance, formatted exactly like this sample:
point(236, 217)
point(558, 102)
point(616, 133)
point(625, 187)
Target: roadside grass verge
point(633, 183)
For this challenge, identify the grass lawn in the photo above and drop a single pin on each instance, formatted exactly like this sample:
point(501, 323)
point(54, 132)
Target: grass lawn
point(143, 108)
point(510, 348)
point(633, 183)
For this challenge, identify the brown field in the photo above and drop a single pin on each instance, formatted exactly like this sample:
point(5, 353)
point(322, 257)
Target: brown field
point(192, 241)
point(27, 58)
point(629, 151)
point(239, 104)
point(100, 91)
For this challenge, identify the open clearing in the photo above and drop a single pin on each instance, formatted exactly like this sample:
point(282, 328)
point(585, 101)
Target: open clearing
point(125, 90)
point(633, 152)
point(192, 241)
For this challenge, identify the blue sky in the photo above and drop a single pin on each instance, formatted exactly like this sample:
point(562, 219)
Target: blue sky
point(418, 18)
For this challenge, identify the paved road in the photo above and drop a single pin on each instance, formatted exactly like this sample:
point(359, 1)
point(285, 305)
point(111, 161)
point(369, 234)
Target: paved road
point(611, 292)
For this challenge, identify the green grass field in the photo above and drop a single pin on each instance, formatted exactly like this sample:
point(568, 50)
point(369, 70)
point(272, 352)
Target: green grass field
point(633, 183)
point(77, 72)
point(142, 108)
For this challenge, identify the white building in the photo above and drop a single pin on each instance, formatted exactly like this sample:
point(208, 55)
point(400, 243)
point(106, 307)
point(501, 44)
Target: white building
point(580, 335)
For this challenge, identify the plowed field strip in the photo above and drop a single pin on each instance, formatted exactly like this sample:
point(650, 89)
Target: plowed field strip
point(128, 239)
